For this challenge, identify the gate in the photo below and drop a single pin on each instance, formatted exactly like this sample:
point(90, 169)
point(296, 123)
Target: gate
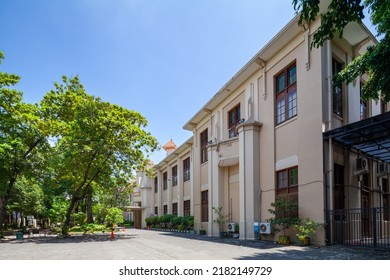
point(365, 227)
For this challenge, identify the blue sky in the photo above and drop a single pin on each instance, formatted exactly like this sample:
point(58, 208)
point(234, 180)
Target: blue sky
point(162, 58)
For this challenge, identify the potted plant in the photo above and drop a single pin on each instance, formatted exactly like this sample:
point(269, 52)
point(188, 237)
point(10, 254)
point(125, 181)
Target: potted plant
point(236, 233)
point(202, 231)
point(220, 220)
point(285, 216)
point(306, 229)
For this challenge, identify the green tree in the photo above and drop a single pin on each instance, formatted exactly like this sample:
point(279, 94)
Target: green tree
point(20, 138)
point(285, 214)
point(114, 216)
point(374, 62)
point(58, 209)
point(95, 140)
point(27, 198)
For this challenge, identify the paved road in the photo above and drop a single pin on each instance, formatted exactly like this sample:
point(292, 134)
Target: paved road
point(153, 245)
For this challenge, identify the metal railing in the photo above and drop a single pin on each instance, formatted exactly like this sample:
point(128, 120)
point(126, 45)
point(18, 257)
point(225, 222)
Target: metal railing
point(365, 227)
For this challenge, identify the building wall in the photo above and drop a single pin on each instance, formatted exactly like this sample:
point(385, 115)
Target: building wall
point(240, 174)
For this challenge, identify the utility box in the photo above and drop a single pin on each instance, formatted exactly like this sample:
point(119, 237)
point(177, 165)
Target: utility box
point(256, 230)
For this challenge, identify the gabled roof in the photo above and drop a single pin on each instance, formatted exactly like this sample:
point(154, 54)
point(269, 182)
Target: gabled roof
point(169, 146)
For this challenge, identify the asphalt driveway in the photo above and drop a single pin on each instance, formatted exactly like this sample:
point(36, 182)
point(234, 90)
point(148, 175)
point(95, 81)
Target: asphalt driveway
point(155, 245)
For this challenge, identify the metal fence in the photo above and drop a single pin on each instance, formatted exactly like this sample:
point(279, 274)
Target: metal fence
point(365, 227)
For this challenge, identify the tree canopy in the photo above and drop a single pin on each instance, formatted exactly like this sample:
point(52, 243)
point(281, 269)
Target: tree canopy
point(375, 62)
point(58, 154)
point(20, 139)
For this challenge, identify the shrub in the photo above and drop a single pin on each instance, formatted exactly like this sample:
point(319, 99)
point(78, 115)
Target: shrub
point(114, 216)
point(93, 227)
point(78, 218)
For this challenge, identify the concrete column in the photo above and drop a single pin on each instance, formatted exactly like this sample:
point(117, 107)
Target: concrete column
point(159, 193)
point(249, 155)
point(180, 190)
point(215, 188)
point(169, 189)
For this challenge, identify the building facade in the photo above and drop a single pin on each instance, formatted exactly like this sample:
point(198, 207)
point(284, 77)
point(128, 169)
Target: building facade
point(261, 136)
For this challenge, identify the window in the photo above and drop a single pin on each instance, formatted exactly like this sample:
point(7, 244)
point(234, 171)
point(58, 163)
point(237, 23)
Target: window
point(187, 208)
point(339, 187)
point(156, 210)
point(174, 176)
point(174, 209)
point(165, 209)
point(386, 199)
point(155, 184)
point(287, 183)
point(186, 169)
point(337, 90)
point(286, 94)
point(205, 206)
point(363, 105)
point(165, 180)
point(204, 138)
point(234, 116)
point(383, 106)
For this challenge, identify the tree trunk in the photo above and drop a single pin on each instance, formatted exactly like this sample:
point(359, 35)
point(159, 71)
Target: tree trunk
point(65, 227)
point(3, 208)
point(89, 206)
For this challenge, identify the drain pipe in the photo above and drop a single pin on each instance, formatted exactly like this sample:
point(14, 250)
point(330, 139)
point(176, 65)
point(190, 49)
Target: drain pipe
point(330, 116)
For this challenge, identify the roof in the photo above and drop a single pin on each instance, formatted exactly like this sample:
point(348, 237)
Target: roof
point(369, 136)
point(355, 33)
point(175, 153)
point(169, 146)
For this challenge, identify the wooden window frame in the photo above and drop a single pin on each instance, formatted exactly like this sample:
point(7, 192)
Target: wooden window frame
point(339, 185)
point(286, 94)
point(155, 184)
point(364, 105)
point(186, 169)
point(386, 199)
point(165, 181)
point(338, 91)
point(285, 185)
point(204, 139)
point(234, 117)
point(174, 176)
point(175, 209)
point(204, 197)
point(187, 208)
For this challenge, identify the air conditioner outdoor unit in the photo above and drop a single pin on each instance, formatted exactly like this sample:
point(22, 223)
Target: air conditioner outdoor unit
point(361, 166)
point(383, 169)
point(231, 227)
point(265, 228)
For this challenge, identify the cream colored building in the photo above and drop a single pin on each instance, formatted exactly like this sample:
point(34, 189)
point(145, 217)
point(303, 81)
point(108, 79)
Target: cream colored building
point(261, 136)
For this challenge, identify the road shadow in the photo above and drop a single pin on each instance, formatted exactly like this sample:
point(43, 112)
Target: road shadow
point(269, 250)
point(74, 238)
point(264, 244)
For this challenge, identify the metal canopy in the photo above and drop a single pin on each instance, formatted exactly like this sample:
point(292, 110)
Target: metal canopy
point(369, 136)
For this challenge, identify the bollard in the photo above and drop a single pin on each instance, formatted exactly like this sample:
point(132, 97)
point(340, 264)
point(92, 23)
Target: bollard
point(148, 227)
point(124, 229)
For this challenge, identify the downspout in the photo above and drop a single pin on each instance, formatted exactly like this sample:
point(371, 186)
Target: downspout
point(211, 184)
point(330, 116)
point(244, 183)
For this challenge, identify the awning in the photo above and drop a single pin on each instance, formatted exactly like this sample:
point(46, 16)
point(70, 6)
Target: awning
point(370, 137)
